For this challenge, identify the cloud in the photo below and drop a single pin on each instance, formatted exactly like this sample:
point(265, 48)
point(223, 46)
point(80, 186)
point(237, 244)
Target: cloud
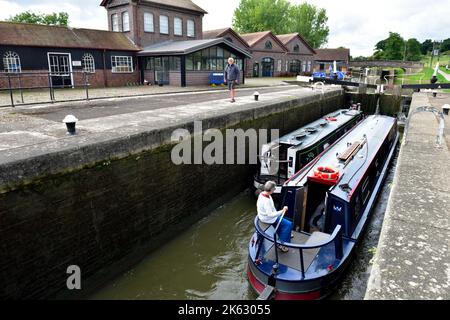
point(82, 14)
point(357, 24)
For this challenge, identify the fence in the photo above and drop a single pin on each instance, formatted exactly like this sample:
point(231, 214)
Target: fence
point(21, 83)
point(46, 87)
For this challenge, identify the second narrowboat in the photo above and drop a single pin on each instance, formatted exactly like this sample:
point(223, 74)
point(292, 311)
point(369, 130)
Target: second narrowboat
point(282, 158)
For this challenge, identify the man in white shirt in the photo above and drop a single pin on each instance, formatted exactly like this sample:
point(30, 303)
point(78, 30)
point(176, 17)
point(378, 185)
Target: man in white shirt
point(269, 215)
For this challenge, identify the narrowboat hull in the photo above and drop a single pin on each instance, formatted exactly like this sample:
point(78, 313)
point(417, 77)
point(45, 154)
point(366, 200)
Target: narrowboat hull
point(322, 286)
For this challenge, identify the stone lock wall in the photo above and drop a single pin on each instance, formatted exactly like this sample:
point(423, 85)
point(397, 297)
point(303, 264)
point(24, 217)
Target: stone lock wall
point(108, 215)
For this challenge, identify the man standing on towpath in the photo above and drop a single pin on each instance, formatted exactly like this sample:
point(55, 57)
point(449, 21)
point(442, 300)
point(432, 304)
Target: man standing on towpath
point(232, 76)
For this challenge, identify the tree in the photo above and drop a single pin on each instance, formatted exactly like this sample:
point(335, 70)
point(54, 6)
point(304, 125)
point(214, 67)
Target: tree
point(55, 19)
point(281, 17)
point(445, 46)
point(392, 48)
point(262, 15)
point(413, 50)
point(427, 46)
point(311, 23)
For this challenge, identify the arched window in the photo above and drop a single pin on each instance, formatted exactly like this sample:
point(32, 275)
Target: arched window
point(296, 48)
point(229, 39)
point(11, 62)
point(268, 44)
point(88, 63)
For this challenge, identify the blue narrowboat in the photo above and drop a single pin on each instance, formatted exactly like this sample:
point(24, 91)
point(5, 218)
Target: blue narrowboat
point(282, 158)
point(329, 201)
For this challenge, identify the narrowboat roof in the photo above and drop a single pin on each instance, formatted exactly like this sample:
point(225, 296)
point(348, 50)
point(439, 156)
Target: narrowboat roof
point(374, 130)
point(304, 138)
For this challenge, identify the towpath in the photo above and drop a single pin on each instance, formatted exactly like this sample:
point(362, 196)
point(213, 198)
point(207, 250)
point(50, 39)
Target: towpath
point(412, 260)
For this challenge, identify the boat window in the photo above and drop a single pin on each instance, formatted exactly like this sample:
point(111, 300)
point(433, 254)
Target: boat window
point(365, 190)
point(307, 157)
point(357, 208)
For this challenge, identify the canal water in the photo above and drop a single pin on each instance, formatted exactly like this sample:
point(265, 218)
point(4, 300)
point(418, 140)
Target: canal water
point(208, 260)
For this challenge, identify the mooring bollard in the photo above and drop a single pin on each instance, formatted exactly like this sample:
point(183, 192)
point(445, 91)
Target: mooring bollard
point(446, 109)
point(71, 123)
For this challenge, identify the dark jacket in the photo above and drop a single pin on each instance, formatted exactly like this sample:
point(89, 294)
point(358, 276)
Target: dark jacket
point(232, 72)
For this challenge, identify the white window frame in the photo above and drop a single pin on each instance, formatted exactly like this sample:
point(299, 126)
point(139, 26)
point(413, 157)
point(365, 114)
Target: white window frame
point(115, 25)
point(178, 27)
point(309, 65)
point(149, 22)
point(70, 63)
point(190, 28)
point(88, 63)
point(279, 66)
point(115, 60)
point(161, 18)
point(10, 59)
point(125, 21)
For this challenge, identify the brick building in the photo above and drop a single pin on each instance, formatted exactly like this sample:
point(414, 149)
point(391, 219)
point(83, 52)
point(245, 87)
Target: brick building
point(228, 34)
point(32, 51)
point(155, 40)
point(272, 55)
point(268, 54)
point(300, 56)
point(324, 59)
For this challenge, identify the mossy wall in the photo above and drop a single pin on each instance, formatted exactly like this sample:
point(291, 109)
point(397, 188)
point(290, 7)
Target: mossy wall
point(390, 105)
point(107, 217)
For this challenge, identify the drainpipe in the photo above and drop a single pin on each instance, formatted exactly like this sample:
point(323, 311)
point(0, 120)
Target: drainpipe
point(137, 38)
point(105, 80)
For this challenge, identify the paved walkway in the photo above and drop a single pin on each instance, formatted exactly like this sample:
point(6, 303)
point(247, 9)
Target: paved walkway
point(31, 130)
point(445, 75)
point(43, 96)
point(102, 108)
point(412, 260)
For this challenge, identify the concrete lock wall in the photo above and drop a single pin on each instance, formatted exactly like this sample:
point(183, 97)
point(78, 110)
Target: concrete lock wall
point(107, 216)
point(389, 104)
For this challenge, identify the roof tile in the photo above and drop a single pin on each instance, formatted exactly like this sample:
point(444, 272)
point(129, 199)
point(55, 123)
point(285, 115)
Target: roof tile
point(34, 35)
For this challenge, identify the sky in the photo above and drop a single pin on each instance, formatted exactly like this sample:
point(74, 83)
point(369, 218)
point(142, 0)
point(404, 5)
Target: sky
point(356, 24)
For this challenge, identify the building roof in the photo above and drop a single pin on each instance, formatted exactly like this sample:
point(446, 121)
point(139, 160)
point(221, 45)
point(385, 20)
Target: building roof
point(220, 33)
point(254, 38)
point(34, 35)
point(186, 47)
point(286, 38)
point(183, 4)
point(340, 54)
